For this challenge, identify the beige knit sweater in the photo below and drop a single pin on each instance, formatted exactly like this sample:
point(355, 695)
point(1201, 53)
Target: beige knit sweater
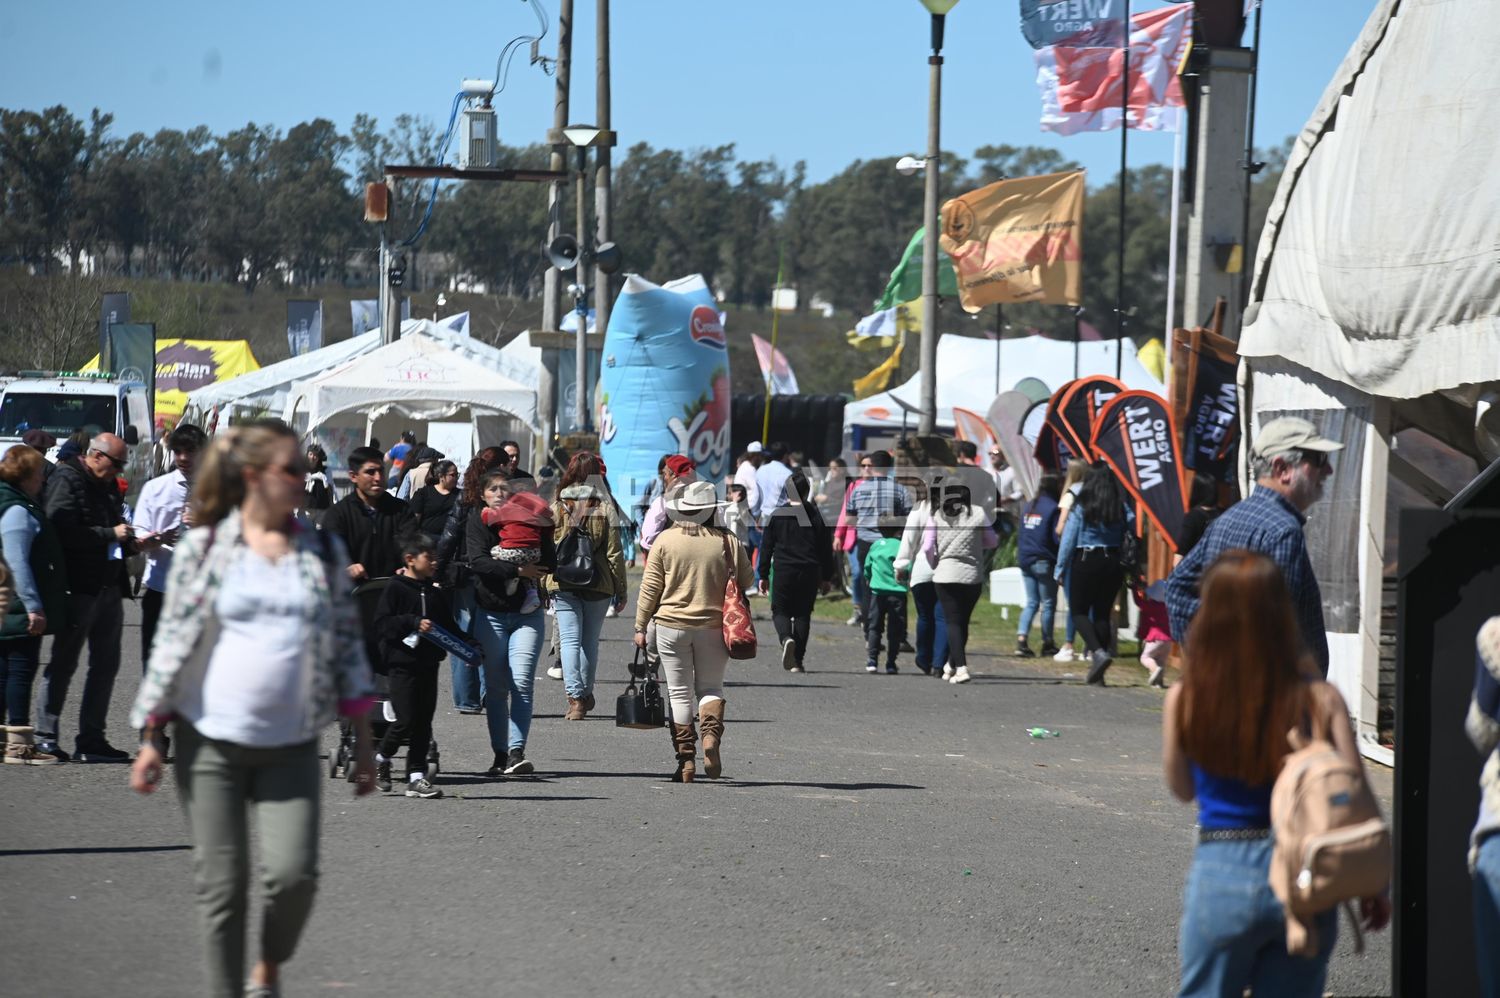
point(683, 586)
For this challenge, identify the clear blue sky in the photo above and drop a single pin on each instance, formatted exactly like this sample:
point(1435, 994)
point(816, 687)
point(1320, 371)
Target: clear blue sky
point(825, 81)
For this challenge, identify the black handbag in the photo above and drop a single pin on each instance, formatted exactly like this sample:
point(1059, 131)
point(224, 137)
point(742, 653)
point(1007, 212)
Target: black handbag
point(641, 705)
point(575, 559)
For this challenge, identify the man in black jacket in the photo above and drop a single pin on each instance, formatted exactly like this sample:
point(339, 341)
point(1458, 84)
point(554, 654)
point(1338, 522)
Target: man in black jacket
point(369, 520)
point(82, 500)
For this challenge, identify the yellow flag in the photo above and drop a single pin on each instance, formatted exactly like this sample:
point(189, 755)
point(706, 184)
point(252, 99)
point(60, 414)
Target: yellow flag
point(1018, 240)
point(1153, 357)
point(185, 365)
point(879, 379)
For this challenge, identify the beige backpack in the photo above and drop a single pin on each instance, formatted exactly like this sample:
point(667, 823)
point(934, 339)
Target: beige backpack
point(1331, 844)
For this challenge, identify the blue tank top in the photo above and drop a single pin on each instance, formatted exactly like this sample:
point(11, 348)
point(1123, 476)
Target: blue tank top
point(1229, 803)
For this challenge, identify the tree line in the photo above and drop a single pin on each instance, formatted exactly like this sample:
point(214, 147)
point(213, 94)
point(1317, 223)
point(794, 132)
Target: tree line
point(259, 206)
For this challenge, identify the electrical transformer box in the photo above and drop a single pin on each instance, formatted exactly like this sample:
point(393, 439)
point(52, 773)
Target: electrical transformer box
point(478, 139)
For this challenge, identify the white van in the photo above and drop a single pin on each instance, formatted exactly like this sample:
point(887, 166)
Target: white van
point(64, 402)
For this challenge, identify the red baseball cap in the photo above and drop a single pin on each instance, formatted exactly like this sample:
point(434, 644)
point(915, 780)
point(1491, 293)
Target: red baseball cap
point(679, 465)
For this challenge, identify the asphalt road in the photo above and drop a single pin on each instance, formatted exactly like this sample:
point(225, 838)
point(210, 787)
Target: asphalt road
point(874, 834)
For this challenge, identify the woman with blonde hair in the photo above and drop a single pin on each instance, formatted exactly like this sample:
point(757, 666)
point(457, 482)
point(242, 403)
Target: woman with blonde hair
point(1072, 485)
point(259, 648)
point(1224, 737)
point(683, 590)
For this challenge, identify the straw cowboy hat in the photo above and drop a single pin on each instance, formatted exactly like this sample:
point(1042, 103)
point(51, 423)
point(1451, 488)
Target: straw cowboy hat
point(695, 502)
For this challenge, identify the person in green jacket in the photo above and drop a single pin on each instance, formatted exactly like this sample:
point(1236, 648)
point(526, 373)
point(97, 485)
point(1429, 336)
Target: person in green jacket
point(887, 596)
point(39, 602)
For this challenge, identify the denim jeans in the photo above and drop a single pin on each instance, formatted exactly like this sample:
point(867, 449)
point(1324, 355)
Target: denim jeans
point(1487, 915)
point(511, 644)
point(18, 662)
point(1233, 931)
point(1041, 590)
point(579, 621)
point(932, 629)
point(754, 538)
point(95, 619)
point(468, 681)
point(856, 582)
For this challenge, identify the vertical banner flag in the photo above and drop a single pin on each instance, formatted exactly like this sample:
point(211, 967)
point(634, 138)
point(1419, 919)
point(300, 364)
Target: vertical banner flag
point(1074, 23)
point(113, 307)
point(1053, 441)
point(971, 426)
point(774, 367)
point(1018, 241)
point(304, 326)
point(879, 378)
point(885, 327)
point(906, 280)
point(364, 315)
point(132, 348)
point(1135, 436)
point(664, 388)
point(1213, 414)
point(1082, 88)
point(1007, 417)
point(1081, 403)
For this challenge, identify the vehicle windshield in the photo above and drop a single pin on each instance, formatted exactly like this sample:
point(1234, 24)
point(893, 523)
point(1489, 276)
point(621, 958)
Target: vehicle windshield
point(59, 415)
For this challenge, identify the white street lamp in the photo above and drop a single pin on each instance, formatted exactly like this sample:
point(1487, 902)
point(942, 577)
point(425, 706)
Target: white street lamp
point(927, 419)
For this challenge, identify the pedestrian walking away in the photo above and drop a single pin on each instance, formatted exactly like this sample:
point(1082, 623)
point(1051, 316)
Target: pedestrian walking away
point(962, 538)
point(258, 649)
point(874, 497)
point(683, 591)
point(915, 561)
point(1225, 732)
point(796, 551)
point(1072, 486)
point(38, 603)
point(887, 610)
point(1036, 554)
point(1090, 556)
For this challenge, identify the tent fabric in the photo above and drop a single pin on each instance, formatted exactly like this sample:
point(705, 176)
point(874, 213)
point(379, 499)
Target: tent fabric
point(966, 376)
point(267, 388)
point(429, 373)
point(1376, 265)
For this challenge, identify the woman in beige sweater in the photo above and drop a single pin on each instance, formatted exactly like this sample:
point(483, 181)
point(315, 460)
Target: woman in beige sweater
point(683, 589)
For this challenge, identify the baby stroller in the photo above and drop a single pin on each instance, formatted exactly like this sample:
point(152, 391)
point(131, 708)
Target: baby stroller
point(341, 759)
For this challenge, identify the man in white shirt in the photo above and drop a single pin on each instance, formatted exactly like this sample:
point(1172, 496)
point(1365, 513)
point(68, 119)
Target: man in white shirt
point(745, 471)
point(161, 514)
point(770, 480)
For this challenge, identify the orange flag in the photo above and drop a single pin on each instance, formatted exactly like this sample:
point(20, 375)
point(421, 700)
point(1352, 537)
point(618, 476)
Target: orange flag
point(1018, 241)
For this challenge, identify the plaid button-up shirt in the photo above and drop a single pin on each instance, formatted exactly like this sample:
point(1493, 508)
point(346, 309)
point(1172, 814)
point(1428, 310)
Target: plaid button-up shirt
point(872, 498)
point(1266, 523)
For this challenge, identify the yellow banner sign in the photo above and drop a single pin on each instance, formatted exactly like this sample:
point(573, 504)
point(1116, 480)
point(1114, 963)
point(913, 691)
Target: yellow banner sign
point(183, 366)
point(1017, 241)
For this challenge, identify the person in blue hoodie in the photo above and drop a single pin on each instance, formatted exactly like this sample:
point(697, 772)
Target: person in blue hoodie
point(1036, 554)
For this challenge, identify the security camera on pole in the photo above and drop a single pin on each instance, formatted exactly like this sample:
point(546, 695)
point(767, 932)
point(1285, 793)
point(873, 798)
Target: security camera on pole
point(566, 253)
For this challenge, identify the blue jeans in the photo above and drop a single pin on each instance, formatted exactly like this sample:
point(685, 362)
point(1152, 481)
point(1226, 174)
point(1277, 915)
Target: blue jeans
point(932, 629)
point(1041, 589)
point(511, 644)
point(753, 538)
point(856, 583)
point(468, 682)
point(19, 658)
point(1233, 931)
point(1487, 915)
point(579, 621)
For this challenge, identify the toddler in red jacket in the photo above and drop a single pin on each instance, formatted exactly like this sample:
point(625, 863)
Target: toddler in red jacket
point(518, 524)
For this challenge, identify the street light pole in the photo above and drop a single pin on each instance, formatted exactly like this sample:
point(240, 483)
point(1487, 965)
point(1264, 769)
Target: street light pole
point(581, 301)
point(927, 418)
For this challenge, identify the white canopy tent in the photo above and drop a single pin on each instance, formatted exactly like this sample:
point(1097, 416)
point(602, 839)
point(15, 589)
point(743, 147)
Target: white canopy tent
point(966, 377)
point(266, 390)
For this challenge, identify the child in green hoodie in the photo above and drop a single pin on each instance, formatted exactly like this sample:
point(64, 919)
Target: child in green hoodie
point(887, 597)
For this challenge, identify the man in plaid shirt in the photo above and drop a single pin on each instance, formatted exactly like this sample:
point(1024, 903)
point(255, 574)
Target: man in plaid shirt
point(1291, 462)
point(874, 496)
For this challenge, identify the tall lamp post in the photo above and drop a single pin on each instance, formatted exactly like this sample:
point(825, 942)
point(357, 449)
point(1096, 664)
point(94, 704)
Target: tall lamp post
point(927, 419)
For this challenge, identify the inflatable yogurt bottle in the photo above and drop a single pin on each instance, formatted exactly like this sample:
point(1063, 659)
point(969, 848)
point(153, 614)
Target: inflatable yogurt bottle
point(663, 384)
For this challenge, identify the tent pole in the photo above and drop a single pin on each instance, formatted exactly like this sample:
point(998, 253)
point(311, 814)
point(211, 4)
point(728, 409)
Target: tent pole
point(1124, 159)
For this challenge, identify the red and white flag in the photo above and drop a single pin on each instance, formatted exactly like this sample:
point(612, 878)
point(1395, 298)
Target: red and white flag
point(774, 367)
point(1081, 87)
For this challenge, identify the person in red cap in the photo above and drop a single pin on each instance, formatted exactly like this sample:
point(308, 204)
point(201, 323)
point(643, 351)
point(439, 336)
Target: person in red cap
point(679, 471)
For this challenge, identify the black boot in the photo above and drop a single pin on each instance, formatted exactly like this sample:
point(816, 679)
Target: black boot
point(1023, 648)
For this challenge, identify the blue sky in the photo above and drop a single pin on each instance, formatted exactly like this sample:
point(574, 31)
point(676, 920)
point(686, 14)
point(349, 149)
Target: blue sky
point(825, 81)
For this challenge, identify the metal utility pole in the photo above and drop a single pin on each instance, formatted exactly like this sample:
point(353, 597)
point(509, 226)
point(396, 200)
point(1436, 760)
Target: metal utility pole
point(581, 276)
point(927, 418)
point(602, 190)
point(551, 282)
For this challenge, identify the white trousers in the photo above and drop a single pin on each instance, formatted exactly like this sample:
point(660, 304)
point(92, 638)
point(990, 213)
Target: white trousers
point(694, 663)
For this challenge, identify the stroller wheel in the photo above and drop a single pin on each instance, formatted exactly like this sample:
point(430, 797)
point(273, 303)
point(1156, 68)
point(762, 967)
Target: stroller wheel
point(432, 764)
point(333, 764)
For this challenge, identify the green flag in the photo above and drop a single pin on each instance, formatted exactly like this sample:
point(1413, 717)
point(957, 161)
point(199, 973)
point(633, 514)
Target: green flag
point(906, 280)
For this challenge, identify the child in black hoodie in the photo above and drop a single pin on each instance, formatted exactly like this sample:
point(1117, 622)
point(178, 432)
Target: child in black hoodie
point(409, 607)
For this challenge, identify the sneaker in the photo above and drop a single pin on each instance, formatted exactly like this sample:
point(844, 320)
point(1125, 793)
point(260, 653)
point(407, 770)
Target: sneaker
point(1158, 677)
point(961, 675)
point(1023, 648)
point(1048, 649)
point(101, 752)
point(1066, 654)
point(383, 777)
point(516, 764)
point(555, 672)
point(795, 668)
point(51, 748)
point(497, 768)
point(471, 710)
point(890, 669)
point(532, 602)
point(906, 648)
point(788, 654)
point(1101, 661)
point(871, 667)
point(422, 788)
point(948, 672)
point(262, 990)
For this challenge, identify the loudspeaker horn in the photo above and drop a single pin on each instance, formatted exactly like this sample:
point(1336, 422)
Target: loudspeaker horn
point(607, 258)
point(563, 252)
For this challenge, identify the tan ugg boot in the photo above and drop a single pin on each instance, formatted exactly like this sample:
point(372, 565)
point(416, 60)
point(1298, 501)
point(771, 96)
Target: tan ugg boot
point(711, 719)
point(20, 749)
point(685, 741)
point(575, 710)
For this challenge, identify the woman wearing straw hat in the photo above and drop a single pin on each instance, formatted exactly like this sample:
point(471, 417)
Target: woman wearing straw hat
point(683, 589)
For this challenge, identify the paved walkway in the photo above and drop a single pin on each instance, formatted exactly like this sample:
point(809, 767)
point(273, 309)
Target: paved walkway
point(888, 835)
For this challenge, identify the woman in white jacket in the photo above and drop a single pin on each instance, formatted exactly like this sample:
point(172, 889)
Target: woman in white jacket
point(914, 565)
point(964, 535)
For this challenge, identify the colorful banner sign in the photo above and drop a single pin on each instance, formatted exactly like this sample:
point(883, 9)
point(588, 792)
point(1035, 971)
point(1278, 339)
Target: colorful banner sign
point(304, 326)
point(1082, 401)
point(664, 387)
point(1073, 23)
point(1213, 416)
point(184, 366)
point(113, 307)
point(1135, 436)
point(1018, 240)
point(132, 353)
point(775, 369)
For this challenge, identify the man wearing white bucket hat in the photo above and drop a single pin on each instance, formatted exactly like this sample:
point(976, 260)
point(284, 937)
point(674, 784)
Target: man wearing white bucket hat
point(683, 590)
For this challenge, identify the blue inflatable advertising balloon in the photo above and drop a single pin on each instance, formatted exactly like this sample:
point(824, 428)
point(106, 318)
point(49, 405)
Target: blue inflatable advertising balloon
point(664, 383)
